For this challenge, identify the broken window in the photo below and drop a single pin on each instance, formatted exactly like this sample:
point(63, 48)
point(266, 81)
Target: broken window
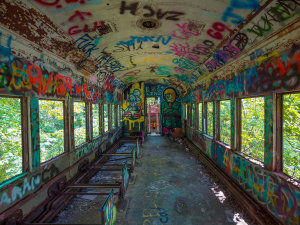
point(291, 135)
point(10, 138)
point(225, 122)
point(51, 116)
point(253, 127)
point(79, 123)
point(96, 120)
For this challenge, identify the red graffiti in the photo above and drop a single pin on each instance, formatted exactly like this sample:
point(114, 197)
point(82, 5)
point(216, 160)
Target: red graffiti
point(220, 27)
point(76, 30)
point(80, 15)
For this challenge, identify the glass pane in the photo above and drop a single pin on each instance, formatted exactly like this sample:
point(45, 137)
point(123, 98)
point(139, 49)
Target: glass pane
point(79, 123)
point(291, 135)
point(200, 116)
point(10, 138)
point(253, 127)
point(96, 120)
point(225, 123)
point(105, 117)
point(210, 118)
point(51, 128)
point(113, 116)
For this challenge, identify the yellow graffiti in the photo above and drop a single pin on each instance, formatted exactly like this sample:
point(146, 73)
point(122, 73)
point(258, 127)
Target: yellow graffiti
point(154, 59)
point(261, 59)
point(126, 104)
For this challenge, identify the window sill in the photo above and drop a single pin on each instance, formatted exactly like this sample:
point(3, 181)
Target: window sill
point(49, 161)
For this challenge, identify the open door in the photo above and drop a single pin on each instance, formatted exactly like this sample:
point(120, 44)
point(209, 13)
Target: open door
point(153, 115)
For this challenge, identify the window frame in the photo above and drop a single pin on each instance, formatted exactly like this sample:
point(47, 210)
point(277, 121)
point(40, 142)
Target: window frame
point(65, 133)
point(278, 159)
point(104, 132)
point(202, 108)
point(24, 138)
point(86, 125)
point(218, 119)
point(238, 129)
point(206, 119)
point(92, 122)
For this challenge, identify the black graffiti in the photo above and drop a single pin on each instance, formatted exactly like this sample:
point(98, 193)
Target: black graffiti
point(48, 174)
point(128, 48)
point(150, 12)
point(282, 11)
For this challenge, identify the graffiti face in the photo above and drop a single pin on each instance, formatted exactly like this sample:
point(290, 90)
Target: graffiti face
point(170, 95)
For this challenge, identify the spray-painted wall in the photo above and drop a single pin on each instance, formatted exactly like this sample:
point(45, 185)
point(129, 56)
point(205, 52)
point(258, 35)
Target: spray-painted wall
point(170, 105)
point(133, 107)
point(278, 73)
point(31, 80)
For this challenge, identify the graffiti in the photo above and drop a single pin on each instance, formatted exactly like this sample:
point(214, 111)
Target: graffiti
point(133, 7)
point(73, 5)
point(34, 106)
point(128, 47)
point(150, 59)
point(185, 51)
point(218, 27)
point(187, 30)
point(133, 106)
point(131, 73)
point(30, 77)
point(268, 131)
point(17, 192)
point(221, 156)
point(85, 44)
point(256, 54)
point(238, 4)
point(163, 71)
point(279, 74)
point(282, 11)
point(6, 51)
point(109, 211)
point(86, 28)
point(232, 50)
point(170, 111)
point(135, 39)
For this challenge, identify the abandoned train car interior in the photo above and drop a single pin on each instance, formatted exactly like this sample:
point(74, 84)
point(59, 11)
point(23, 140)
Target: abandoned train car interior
point(140, 112)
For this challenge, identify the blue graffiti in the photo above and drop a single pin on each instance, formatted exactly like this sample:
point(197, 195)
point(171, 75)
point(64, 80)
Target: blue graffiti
point(6, 51)
point(76, 5)
point(134, 39)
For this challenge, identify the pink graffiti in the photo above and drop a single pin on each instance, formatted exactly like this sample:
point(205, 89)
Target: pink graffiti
point(187, 30)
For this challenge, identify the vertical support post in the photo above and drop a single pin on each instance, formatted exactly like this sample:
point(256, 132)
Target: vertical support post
point(238, 124)
point(277, 134)
point(67, 125)
point(232, 123)
point(35, 131)
point(72, 135)
point(217, 120)
point(268, 134)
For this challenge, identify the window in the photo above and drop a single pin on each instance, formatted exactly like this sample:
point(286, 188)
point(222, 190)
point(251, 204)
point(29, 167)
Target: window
point(105, 111)
point(291, 135)
point(113, 122)
point(79, 123)
point(200, 108)
point(186, 111)
point(96, 120)
point(118, 114)
point(253, 127)
point(51, 116)
point(10, 138)
point(210, 118)
point(225, 122)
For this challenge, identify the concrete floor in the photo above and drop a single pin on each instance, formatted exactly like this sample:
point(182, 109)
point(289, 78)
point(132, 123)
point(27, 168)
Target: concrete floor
point(172, 187)
point(169, 186)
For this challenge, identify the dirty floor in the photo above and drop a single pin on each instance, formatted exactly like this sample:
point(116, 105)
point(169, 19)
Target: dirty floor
point(172, 187)
point(168, 186)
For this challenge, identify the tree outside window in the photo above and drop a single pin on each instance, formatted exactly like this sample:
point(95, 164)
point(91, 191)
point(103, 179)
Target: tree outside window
point(79, 123)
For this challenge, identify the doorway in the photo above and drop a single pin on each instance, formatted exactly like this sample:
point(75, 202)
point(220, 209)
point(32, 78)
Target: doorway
point(153, 115)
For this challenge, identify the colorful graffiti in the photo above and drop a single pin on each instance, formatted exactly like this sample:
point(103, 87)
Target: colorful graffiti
point(170, 111)
point(133, 106)
point(35, 136)
point(109, 211)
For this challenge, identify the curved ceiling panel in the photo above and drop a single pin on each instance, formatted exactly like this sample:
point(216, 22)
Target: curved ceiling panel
point(174, 42)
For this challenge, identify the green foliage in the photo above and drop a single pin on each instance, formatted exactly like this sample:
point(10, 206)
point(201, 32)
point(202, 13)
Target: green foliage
point(51, 129)
point(210, 118)
point(291, 135)
point(113, 116)
point(10, 138)
point(200, 116)
point(79, 123)
point(105, 117)
point(96, 120)
point(225, 122)
point(253, 115)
